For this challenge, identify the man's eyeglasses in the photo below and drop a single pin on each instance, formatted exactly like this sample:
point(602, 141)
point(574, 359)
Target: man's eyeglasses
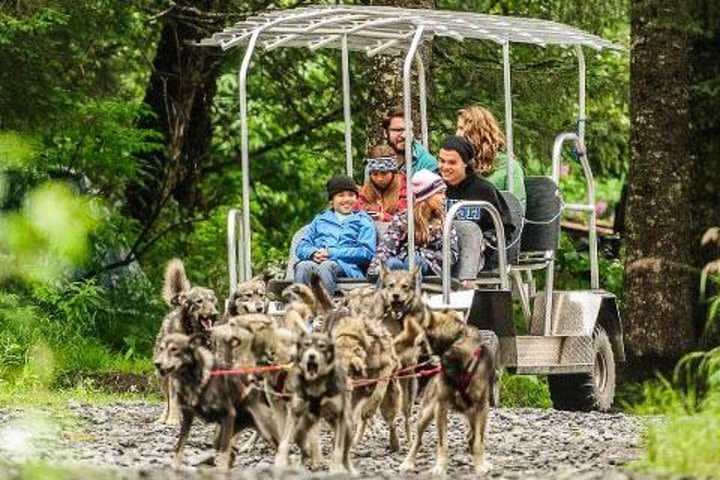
point(396, 130)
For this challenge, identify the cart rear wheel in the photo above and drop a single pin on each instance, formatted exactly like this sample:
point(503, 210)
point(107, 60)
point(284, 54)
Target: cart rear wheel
point(588, 391)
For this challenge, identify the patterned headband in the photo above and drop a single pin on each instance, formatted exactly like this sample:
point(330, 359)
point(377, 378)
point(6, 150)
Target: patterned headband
point(381, 164)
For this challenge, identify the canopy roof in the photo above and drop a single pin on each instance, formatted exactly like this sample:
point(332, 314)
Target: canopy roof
point(389, 30)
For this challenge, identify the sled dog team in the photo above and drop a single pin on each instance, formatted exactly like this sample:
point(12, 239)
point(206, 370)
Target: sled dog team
point(328, 362)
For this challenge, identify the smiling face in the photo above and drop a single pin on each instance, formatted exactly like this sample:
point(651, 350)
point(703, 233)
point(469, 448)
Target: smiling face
point(451, 166)
point(342, 202)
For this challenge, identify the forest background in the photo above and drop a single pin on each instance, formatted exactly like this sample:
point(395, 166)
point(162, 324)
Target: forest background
point(119, 149)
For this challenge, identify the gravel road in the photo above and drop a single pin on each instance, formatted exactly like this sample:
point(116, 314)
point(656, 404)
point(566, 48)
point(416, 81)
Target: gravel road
point(522, 443)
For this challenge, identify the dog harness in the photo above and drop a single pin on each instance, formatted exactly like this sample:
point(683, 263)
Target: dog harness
point(456, 374)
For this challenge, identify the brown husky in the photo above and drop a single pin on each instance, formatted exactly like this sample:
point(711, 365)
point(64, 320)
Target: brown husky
point(194, 310)
point(225, 400)
point(248, 297)
point(365, 349)
point(468, 357)
point(402, 313)
point(320, 392)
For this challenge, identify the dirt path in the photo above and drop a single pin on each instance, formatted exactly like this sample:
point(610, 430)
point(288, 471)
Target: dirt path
point(522, 443)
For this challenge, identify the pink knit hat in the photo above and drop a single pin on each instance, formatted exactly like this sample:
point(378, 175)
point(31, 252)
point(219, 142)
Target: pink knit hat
point(425, 184)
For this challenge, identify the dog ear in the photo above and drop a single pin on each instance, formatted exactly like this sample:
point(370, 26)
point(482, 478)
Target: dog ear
point(383, 272)
point(414, 271)
point(231, 307)
point(265, 276)
point(178, 299)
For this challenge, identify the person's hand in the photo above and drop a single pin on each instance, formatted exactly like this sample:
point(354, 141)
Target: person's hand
point(320, 256)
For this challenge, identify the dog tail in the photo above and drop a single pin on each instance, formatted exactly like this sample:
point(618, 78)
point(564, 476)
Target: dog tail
point(299, 292)
point(323, 302)
point(175, 280)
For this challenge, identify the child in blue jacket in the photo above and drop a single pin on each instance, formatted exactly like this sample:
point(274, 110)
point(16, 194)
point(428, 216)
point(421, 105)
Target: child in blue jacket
point(339, 242)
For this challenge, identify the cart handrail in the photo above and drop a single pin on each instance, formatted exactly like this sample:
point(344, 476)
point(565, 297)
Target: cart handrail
point(587, 207)
point(499, 233)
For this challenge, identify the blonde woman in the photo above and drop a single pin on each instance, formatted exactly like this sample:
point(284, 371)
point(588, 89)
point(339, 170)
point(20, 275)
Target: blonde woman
point(429, 213)
point(479, 126)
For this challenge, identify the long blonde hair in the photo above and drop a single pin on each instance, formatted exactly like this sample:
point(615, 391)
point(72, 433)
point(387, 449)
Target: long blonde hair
point(481, 128)
point(425, 212)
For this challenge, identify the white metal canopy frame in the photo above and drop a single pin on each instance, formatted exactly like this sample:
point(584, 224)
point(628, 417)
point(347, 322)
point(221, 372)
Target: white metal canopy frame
point(377, 30)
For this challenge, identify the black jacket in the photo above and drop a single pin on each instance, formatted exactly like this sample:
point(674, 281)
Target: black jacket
point(476, 188)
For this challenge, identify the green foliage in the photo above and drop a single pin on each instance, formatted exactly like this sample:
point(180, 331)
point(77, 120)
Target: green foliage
point(573, 269)
point(48, 237)
point(37, 470)
point(100, 141)
point(49, 333)
point(685, 441)
point(51, 53)
point(524, 391)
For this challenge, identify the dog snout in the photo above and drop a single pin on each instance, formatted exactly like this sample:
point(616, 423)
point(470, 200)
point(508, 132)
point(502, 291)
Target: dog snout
point(396, 297)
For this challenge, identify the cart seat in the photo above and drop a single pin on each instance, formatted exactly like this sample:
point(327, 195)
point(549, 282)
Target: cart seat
point(469, 243)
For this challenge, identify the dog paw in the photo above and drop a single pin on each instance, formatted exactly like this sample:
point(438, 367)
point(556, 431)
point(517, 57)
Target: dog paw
point(281, 462)
point(337, 468)
point(407, 465)
point(439, 470)
point(208, 461)
point(173, 420)
point(483, 467)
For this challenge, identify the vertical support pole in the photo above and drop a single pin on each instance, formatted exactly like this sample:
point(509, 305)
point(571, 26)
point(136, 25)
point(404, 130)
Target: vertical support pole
point(232, 242)
point(592, 222)
point(244, 161)
point(581, 92)
point(423, 100)
point(549, 288)
point(407, 107)
point(508, 114)
point(236, 256)
point(346, 106)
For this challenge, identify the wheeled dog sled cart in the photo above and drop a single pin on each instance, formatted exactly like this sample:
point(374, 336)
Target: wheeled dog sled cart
point(574, 337)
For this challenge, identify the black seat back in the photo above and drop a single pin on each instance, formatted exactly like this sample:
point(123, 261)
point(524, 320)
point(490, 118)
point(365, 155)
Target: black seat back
point(516, 215)
point(542, 217)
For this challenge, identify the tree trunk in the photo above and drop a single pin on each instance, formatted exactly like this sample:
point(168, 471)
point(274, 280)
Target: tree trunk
point(385, 74)
point(179, 94)
point(660, 275)
point(704, 105)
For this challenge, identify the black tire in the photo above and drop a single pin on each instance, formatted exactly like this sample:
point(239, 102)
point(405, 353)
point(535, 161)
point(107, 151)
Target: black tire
point(588, 391)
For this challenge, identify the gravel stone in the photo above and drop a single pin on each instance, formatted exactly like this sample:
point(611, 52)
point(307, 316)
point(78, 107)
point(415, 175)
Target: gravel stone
point(522, 443)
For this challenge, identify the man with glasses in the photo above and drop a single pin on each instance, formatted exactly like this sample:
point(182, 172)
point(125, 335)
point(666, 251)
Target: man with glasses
point(394, 126)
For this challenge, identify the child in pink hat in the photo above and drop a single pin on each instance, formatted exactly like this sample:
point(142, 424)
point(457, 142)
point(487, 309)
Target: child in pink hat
point(428, 191)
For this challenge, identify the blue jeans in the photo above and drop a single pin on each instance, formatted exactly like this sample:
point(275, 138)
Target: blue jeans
point(394, 263)
point(328, 271)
